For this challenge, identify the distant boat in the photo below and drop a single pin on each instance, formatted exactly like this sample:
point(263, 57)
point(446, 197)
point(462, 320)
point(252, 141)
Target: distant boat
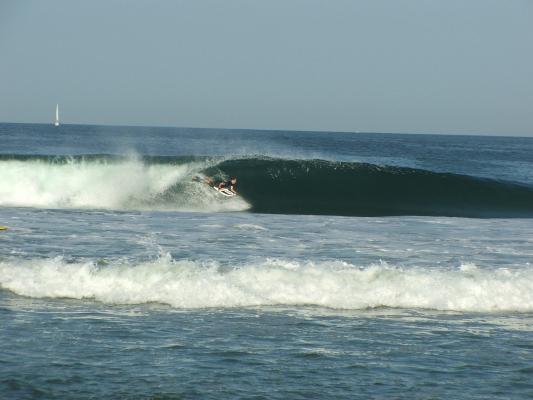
point(57, 115)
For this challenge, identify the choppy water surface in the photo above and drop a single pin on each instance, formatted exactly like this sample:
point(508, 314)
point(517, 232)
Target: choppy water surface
point(122, 278)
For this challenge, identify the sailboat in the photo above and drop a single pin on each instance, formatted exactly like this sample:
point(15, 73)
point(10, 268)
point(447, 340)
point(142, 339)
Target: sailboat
point(56, 123)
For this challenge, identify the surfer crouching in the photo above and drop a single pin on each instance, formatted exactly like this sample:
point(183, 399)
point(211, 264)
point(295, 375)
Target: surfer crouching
point(230, 184)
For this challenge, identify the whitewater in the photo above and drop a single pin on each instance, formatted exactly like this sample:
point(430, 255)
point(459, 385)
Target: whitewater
point(336, 285)
point(108, 183)
point(398, 262)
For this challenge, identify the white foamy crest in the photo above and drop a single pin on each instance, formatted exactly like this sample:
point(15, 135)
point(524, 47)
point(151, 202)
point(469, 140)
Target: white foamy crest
point(123, 185)
point(189, 284)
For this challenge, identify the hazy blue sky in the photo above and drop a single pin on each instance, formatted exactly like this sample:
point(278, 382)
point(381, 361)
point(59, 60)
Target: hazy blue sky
point(450, 66)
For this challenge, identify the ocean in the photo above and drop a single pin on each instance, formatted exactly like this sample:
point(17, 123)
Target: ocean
point(350, 265)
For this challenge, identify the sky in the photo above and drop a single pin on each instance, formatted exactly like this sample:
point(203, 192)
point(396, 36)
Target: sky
point(419, 66)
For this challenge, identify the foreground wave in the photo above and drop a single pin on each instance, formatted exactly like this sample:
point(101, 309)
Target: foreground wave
point(267, 186)
point(337, 285)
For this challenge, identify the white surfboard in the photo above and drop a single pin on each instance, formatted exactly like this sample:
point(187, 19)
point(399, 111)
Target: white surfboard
point(224, 191)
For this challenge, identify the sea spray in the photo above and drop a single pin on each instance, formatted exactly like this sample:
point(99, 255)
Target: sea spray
point(126, 183)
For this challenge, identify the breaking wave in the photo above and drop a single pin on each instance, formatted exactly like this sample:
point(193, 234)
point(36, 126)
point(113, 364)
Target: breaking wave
point(335, 284)
point(266, 185)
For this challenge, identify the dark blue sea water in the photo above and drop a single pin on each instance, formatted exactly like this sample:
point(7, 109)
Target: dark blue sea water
point(349, 266)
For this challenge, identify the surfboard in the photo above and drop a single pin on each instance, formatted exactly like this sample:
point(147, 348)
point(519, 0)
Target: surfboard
point(3, 228)
point(224, 191)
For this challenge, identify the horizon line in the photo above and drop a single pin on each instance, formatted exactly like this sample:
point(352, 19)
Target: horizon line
point(440, 133)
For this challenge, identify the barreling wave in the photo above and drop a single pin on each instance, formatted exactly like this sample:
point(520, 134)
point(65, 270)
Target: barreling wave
point(334, 284)
point(266, 185)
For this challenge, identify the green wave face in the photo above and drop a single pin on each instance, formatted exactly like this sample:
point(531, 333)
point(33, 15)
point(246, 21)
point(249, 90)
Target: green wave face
point(356, 189)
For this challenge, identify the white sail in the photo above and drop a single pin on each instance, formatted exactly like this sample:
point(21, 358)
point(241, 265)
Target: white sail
point(56, 123)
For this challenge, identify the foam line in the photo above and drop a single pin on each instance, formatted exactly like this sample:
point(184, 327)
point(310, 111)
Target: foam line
point(337, 285)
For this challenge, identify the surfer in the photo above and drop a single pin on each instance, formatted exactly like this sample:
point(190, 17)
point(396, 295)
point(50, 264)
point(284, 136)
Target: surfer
point(230, 184)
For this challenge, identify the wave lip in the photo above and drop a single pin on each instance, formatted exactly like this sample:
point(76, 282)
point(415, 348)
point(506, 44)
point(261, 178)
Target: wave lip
point(335, 284)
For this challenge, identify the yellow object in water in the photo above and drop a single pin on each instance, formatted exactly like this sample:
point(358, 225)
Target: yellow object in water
point(3, 228)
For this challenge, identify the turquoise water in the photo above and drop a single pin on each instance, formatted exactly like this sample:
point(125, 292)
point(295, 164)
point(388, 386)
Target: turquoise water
point(121, 278)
